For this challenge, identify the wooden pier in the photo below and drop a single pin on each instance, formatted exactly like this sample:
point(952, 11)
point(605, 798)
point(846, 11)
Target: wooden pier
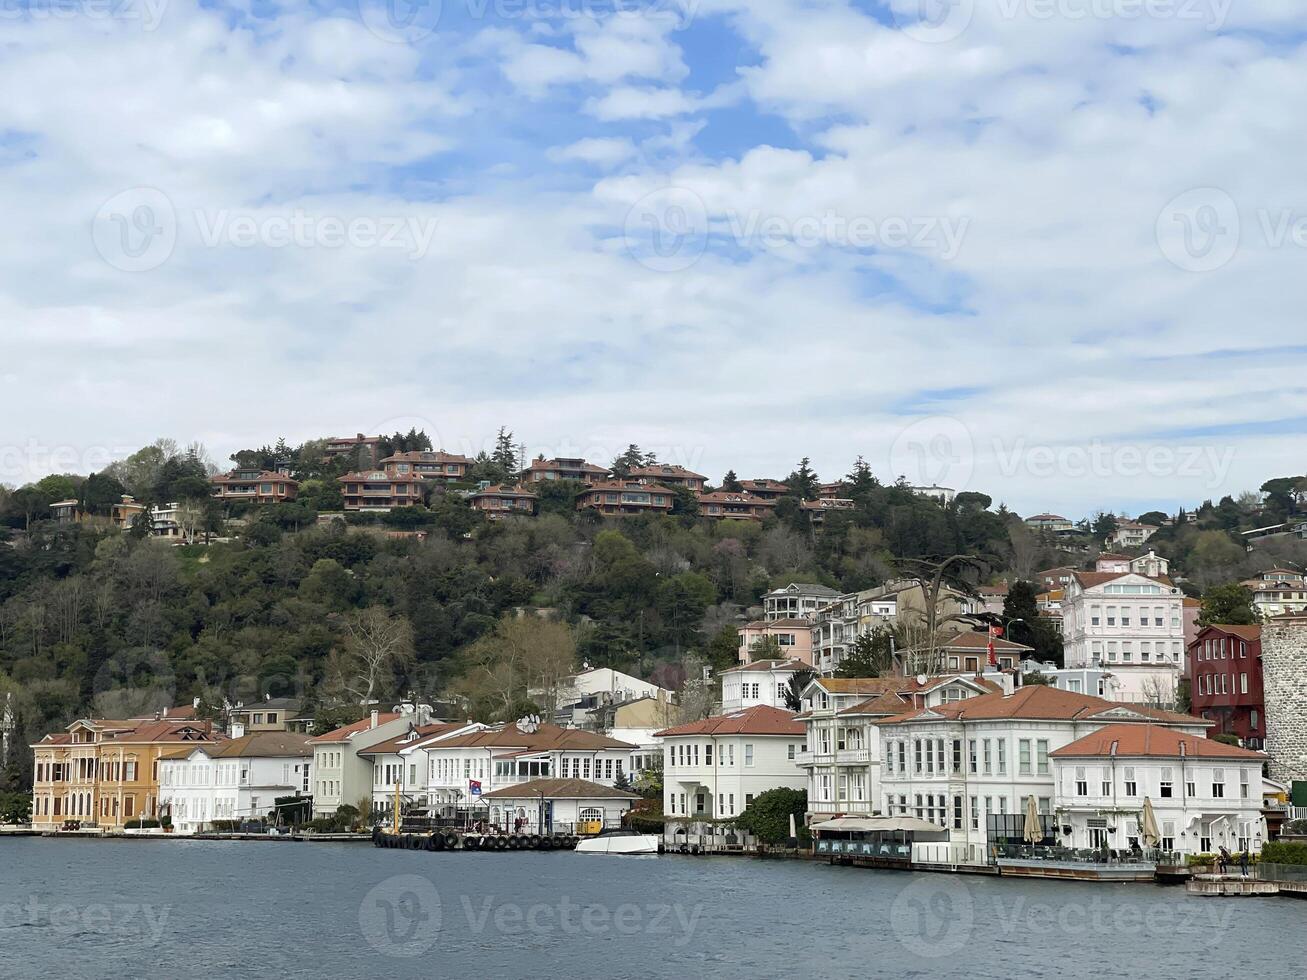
point(459, 840)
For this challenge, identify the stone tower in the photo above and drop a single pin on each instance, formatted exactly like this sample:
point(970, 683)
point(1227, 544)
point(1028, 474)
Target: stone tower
point(1284, 676)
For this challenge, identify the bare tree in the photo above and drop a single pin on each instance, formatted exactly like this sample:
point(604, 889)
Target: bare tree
point(374, 644)
point(923, 637)
point(522, 657)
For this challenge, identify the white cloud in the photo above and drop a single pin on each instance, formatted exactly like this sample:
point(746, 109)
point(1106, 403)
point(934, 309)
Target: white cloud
point(600, 151)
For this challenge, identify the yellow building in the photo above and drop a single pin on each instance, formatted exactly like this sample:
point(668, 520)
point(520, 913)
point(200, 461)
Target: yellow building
point(104, 772)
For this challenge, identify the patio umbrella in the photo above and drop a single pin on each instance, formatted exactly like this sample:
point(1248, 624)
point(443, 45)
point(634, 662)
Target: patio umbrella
point(1148, 824)
point(1034, 829)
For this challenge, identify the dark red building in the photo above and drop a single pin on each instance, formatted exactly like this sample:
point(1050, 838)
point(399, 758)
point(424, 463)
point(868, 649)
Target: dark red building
point(1225, 681)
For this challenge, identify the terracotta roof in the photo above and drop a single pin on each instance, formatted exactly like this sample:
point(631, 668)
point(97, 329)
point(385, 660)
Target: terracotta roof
point(380, 476)
point(167, 731)
point(264, 476)
point(782, 623)
point(768, 486)
point(889, 703)
point(1039, 701)
point(260, 745)
point(407, 738)
point(1152, 740)
point(421, 456)
point(565, 464)
point(731, 497)
point(499, 490)
point(346, 732)
point(665, 469)
point(971, 640)
point(1046, 517)
point(761, 719)
point(630, 485)
point(559, 789)
point(547, 738)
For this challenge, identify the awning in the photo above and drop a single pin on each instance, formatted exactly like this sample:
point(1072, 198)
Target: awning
point(910, 825)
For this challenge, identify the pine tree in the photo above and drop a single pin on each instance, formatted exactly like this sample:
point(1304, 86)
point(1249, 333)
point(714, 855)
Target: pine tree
point(731, 483)
point(803, 481)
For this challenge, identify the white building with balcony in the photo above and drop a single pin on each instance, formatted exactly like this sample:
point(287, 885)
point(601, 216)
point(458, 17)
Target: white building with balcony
point(397, 770)
point(1131, 625)
point(959, 765)
point(236, 780)
point(798, 600)
point(714, 768)
point(841, 760)
point(460, 768)
point(1205, 794)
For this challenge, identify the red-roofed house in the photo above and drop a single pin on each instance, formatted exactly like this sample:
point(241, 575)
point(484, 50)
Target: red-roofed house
point(379, 490)
point(563, 468)
point(793, 637)
point(1205, 794)
point(972, 766)
point(726, 505)
point(497, 501)
point(428, 465)
point(715, 768)
point(617, 498)
point(255, 486)
point(340, 774)
point(669, 475)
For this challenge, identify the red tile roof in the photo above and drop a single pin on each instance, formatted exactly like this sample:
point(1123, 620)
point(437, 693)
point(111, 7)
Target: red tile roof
point(761, 719)
point(1152, 741)
point(1039, 701)
point(404, 739)
point(346, 732)
point(547, 738)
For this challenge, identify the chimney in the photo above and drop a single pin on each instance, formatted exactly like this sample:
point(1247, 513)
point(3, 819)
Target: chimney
point(237, 729)
point(376, 717)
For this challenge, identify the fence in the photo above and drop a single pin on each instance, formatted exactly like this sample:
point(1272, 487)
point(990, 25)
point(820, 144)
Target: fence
point(1282, 872)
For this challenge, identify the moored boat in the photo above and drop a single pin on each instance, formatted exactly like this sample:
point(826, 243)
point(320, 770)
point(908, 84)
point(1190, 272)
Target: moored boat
point(618, 842)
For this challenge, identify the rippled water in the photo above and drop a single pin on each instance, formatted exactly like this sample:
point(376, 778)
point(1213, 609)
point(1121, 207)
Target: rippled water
point(209, 910)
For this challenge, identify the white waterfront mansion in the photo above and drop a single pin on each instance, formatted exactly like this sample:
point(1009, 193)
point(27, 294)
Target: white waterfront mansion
point(963, 764)
point(842, 758)
point(1130, 624)
point(236, 780)
point(760, 682)
point(715, 768)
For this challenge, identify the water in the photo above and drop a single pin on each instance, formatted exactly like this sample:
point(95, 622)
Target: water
point(213, 910)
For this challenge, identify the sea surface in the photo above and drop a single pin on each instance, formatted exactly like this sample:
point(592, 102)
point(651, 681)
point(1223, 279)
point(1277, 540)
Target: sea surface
point(210, 910)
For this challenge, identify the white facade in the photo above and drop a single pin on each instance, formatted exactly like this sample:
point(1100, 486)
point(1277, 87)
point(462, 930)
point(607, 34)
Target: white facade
point(959, 771)
point(763, 682)
point(454, 772)
point(1200, 804)
point(1131, 625)
point(200, 789)
point(1095, 681)
point(717, 770)
point(842, 757)
point(340, 775)
point(798, 600)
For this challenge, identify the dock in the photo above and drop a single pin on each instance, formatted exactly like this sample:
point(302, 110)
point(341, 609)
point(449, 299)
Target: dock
point(458, 840)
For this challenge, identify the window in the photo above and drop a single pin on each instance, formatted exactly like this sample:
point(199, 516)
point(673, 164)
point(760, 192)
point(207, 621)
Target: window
point(975, 813)
point(707, 754)
point(1041, 756)
point(971, 754)
point(1166, 788)
point(748, 754)
point(1190, 788)
point(1002, 757)
point(1082, 783)
point(789, 751)
point(1023, 757)
point(957, 755)
point(1218, 784)
point(985, 746)
point(1131, 788)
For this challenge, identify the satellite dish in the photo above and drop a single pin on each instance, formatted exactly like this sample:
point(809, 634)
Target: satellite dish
point(528, 724)
point(921, 679)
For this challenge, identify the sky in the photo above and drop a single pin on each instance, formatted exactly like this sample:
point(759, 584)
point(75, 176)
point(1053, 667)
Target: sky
point(1051, 250)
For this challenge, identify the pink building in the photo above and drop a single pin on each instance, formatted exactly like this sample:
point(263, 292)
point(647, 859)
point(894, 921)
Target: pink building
point(793, 635)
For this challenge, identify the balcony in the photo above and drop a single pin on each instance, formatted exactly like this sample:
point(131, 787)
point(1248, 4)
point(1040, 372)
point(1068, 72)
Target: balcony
point(804, 758)
point(853, 757)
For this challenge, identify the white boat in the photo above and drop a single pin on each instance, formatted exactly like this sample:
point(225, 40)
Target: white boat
point(618, 842)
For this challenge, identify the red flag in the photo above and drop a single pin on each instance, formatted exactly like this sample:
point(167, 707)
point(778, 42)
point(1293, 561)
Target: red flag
point(993, 632)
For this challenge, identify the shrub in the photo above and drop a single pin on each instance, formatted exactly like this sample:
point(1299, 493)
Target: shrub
point(1285, 852)
point(768, 817)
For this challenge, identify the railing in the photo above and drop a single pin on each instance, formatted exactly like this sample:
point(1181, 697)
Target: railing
point(859, 848)
point(1282, 872)
point(975, 855)
point(853, 755)
point(1295, 813)
point(1083, 855)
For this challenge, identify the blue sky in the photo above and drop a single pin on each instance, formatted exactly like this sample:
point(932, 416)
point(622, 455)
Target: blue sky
point(1050, 252)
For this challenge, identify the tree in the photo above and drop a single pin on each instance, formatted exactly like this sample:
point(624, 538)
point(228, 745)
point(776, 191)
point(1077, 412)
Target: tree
point(765, 648)
point(1227, 605)
point(629, 460)
point(1025, 625)
point(373, 646)
point(803, 481)
point(793, 692)
point(731, 483)
point(505, 453)
point(522, 657)
point(871, 655)
point(932, 577)
point(768, 817)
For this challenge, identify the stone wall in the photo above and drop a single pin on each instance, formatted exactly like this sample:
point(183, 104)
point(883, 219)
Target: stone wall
point(1284, 675)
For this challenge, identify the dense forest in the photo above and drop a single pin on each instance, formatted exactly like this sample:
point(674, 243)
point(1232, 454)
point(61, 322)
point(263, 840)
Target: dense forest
point(438, 602)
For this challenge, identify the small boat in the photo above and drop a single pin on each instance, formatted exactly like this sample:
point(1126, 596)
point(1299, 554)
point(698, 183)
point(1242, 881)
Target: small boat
point(618, 842)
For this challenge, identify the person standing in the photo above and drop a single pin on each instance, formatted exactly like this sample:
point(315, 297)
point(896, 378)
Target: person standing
point(1243, 862)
